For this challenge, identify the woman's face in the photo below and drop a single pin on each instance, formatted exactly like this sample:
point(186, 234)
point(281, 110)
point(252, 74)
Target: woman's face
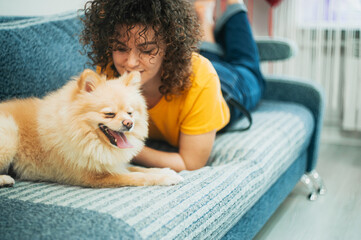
point(139, 54)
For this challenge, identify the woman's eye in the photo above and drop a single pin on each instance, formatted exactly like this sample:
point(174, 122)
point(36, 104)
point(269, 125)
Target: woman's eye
point(150, 51)
point(122, 49)
point(109, 115)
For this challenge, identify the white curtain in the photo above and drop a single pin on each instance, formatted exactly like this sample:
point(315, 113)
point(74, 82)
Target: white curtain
point(327, 33)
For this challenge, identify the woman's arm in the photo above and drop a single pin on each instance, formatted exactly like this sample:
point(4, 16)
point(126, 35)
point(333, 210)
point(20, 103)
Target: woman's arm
point(194, 151)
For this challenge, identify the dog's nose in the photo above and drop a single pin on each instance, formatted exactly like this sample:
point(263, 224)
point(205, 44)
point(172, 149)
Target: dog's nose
point(127, 123)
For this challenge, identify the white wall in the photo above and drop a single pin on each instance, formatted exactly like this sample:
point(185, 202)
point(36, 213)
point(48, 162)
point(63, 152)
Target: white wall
point(47, 7)
point(38, 7)
point(260, 17)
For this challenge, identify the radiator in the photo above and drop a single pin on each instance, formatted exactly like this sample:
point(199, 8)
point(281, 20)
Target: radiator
point(329, 53)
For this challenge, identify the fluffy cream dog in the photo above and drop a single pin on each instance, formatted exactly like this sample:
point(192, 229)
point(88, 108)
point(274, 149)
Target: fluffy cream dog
point(83, 134)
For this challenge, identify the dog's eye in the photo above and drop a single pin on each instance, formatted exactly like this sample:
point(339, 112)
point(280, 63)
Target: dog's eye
point(109, 115)
point(130, 113)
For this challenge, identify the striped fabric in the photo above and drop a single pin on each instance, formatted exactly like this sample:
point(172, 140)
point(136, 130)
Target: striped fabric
point(210, 200)
point(49, 57)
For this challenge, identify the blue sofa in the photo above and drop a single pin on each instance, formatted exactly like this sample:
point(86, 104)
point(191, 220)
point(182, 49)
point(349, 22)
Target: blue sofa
point(247, 177)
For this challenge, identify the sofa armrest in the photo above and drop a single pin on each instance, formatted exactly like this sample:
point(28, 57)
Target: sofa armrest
point(275, 48)
point(306, 93)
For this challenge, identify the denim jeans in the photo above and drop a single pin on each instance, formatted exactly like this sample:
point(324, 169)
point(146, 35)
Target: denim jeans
point(236, 60)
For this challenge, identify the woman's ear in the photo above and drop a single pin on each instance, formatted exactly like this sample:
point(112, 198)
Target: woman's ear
point(89, 80)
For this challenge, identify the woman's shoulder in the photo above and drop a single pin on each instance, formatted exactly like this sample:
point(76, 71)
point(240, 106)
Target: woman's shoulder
point(203, 71)
point(199, 61)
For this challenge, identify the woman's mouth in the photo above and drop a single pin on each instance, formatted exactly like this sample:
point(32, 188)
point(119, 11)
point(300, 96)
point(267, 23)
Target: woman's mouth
point(127, 72)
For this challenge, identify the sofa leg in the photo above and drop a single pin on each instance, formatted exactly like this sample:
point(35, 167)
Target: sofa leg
point(306, 180)
point(317, 180)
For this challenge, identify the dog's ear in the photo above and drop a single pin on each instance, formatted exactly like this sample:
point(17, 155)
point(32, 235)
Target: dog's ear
point(132, 78)
point(89, 80)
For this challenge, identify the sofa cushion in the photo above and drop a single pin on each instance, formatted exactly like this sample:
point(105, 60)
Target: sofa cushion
point(207, 204)
point(38, 54)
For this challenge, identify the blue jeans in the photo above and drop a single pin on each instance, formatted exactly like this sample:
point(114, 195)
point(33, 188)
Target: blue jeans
point(236, 60)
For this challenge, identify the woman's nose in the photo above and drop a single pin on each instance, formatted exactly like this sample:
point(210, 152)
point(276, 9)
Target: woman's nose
point(133, 59)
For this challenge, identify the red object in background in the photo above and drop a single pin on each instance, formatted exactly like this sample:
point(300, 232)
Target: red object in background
point(250, 11)
point(273, 2)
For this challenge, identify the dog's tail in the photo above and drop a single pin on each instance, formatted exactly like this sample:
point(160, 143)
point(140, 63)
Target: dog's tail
point(9, 139)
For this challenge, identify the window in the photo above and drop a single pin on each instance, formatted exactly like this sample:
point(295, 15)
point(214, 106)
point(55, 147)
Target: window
point(330, 13)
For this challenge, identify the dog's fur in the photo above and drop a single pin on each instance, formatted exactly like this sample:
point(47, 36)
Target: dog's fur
point(63, 137)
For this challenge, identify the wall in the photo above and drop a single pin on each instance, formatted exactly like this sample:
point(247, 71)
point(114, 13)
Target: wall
point(258, 15)
point(38, 7)
point(48, 7)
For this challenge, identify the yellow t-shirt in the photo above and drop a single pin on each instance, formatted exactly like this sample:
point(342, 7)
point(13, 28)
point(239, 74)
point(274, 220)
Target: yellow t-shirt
point(199, 110)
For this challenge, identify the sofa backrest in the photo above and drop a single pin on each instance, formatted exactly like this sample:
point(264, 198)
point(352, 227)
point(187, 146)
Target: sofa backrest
point(39, 54)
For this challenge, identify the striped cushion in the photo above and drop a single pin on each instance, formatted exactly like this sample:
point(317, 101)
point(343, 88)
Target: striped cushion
point(210, 200)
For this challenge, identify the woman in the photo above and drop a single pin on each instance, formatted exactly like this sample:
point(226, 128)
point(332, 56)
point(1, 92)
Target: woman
point(159, 38)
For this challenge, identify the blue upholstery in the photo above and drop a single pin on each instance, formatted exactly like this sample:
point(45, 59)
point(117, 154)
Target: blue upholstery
point(275, 49)
point(257, 216)
point(26, 220)
point(38, 55)
point(248, 174)
point(12, 19)
point(310, 95)
point(210, 200)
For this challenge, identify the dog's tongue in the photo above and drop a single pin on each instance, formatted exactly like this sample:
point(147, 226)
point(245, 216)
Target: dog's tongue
point(122, 141)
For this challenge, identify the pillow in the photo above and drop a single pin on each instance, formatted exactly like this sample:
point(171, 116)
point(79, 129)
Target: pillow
point(39, 54)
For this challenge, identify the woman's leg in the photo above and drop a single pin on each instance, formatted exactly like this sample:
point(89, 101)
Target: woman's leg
point(235, 58)
point(233, 33)
point(205, 11)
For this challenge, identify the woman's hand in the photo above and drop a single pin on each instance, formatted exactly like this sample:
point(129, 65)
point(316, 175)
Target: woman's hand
point(194, 151)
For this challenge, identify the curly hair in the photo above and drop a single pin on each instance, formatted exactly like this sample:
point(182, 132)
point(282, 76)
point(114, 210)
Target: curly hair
point(174, 23)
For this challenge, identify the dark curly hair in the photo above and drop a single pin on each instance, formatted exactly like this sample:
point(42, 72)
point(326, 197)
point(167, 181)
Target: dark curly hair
point(174, 23)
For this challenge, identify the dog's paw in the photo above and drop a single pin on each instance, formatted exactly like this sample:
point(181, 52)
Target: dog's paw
point(171, 179)
point(6, 181)
point(163, 171)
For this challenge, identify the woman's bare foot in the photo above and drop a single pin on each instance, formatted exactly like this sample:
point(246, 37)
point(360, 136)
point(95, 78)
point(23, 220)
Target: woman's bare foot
point(205, 12)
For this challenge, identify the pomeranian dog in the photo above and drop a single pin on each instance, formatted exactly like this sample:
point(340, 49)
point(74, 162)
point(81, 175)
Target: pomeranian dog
point(83, 134)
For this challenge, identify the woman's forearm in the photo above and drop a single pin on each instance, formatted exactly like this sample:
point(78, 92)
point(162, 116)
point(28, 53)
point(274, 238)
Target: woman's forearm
point(194, 151)
point(149, 157)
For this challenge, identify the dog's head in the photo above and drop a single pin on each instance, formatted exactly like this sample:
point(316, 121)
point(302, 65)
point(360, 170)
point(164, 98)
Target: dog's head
point(115, 109)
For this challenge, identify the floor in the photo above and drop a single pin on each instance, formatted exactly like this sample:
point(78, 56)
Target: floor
point(336, 215)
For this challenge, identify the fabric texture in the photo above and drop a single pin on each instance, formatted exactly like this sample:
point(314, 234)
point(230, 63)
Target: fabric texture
point(304, 92)
point(38, 55)
point(211, 200)
point(199, 110)
point(257, 216)
point(275, 48)
point(31, 220)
